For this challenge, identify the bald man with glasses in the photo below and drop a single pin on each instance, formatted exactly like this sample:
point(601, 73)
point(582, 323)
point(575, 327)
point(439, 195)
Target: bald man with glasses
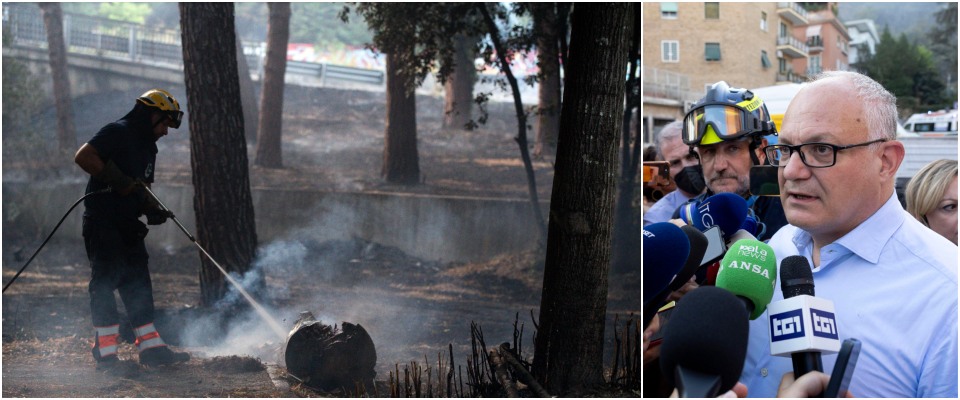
point(892, 280)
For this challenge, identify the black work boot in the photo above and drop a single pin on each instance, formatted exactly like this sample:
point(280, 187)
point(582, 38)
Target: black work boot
point(162, 355)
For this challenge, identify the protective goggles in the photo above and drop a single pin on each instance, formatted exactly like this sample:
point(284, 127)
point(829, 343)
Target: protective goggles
point(175, 118)
point(727, 120)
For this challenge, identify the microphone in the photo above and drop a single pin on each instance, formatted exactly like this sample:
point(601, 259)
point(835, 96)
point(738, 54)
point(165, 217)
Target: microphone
point(705, 344)
point(749, 271)
point(667, 252)
point(725, 210)
point(802, 325)
point(698, 246)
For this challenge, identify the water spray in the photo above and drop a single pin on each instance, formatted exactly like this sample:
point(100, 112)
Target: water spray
point(274, 325)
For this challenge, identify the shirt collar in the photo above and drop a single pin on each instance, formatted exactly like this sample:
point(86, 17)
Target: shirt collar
point(867, 239)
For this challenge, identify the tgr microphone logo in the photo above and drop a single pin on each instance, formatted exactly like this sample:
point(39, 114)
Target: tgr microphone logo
point(786, 325)
point(824, 324)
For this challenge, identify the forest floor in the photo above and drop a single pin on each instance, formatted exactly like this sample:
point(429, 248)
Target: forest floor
point(414, 310)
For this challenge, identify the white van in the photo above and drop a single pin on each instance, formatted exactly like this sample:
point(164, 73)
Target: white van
point(933, 123)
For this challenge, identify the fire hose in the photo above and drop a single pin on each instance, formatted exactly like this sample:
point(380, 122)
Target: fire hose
point(51, 235)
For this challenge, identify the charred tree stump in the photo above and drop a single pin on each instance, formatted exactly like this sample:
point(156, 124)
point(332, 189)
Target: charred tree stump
point(328, 358)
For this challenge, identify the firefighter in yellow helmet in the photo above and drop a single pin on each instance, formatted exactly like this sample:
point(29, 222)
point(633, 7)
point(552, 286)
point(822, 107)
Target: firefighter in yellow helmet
point(122, 156)
point(728, 128)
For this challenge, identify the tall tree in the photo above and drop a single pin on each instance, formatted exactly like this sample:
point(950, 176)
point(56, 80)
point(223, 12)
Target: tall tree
point(53, 22)
point(458, 88)
point(218, 151)
point(627, 226)
point(568, 354)
point(521, 137)
point(248, 95)
point(548, 58)
point(413, 36)
point(271, 96)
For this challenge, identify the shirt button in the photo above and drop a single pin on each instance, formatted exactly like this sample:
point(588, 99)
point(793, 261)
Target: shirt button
point(763, 372)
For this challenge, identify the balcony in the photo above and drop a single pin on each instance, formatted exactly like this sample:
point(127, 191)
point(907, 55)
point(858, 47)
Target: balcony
point(814, 71)
point(790, 76)
point(792, 12)
point(667, 86)
point(792, 47)
point(815, 43)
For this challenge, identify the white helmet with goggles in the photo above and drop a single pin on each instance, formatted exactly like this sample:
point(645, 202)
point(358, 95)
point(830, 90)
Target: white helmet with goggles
point(726, 113)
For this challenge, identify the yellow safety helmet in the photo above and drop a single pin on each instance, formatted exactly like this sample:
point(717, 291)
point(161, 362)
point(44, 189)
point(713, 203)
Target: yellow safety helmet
point(163, 101)
point(726, 113)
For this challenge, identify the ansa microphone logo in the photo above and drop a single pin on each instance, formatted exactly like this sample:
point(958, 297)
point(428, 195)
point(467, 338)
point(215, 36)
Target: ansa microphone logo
point(824, 324)
point(786, 325)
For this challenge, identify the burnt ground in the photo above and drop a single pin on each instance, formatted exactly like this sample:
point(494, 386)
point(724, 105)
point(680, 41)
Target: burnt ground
point(413, 309)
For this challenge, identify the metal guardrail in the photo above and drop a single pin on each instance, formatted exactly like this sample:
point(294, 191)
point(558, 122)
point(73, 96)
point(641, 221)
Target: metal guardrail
point(131, 42)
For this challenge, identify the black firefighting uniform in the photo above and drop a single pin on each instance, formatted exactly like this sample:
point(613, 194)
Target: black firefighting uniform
point(112, 232)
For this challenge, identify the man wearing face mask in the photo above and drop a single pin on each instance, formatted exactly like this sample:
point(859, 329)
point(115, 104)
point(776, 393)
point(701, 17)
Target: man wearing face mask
point(684, 170)
point(728, 126)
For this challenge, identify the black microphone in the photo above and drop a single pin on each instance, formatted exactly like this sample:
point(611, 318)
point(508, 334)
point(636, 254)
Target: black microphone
point(705, 344)
point(698, 246)
point(797, 279)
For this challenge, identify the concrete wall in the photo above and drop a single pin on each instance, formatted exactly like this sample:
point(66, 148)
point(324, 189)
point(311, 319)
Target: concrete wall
point(428, 227)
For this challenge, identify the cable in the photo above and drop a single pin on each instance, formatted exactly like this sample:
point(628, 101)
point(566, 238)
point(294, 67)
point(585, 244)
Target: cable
point(51, 235)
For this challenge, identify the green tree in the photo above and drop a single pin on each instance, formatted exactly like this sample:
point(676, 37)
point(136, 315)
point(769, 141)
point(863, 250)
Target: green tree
point(909, 72)
point(129, 12)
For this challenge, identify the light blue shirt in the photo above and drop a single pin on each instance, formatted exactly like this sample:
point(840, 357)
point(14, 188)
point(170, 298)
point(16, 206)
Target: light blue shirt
point(893, 282)
point(663, 209)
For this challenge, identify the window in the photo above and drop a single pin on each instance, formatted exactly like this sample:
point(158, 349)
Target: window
point(815, 67)
point(764, 60)
point(668, 10)
point(712, 51)
point(783, 30)
point(711, 10)
point(670, 51)
point(783, 65)
point(763, 21)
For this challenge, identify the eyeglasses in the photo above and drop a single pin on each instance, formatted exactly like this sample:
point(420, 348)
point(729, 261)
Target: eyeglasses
point(813, 155)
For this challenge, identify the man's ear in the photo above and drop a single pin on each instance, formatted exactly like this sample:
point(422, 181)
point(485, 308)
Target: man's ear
point(890, 159)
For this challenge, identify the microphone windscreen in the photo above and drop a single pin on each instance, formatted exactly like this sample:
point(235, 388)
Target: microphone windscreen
point(666, 248)
point(796, 278)
point(749, 270)
point(726, 210)
point(707, 333)
point(698, 247)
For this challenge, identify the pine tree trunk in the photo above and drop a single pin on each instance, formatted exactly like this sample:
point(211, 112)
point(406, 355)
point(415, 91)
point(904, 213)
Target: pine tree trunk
point(218, 151)
point(53, 22)
point(548, 110)
point(569, 343)
point(248, 95)
point(269, 142)
point(626, 228)
point(400, 158)
point(458, 99)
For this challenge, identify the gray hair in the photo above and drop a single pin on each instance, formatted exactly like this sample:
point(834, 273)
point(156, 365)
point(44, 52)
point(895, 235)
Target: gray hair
point(879, 105)
point(670, 131)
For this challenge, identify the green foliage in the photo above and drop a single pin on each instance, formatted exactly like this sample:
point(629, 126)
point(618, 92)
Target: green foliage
point(909, 72)
point(129, 12)
point(22, 98)
point(426, 27)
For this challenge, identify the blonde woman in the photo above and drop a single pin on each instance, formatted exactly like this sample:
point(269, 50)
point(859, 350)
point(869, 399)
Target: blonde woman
point(932, 197)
